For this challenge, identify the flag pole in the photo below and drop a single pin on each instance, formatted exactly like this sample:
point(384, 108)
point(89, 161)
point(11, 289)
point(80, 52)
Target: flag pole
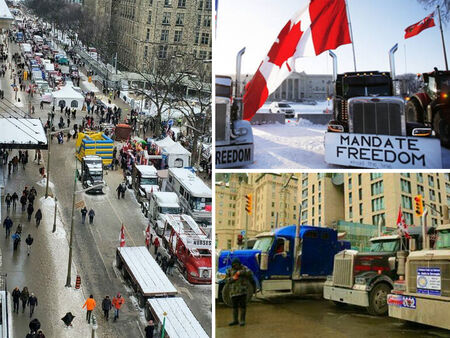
point(442, 37)
point(351, 33)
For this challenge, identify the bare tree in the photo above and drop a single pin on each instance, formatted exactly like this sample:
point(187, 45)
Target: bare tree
point(443, 4)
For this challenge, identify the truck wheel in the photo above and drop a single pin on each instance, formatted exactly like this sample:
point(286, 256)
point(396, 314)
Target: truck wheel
point(442, 130)
point(414, 112)
point(378, 300)
point(119, 263)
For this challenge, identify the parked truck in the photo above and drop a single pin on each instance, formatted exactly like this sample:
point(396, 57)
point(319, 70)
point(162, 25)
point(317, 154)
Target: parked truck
point(369, 127)
point(162, 203)
point(144, 182)
point(431, 106)
point(366, 278)
point(190, 245)
point(295, 259)
point(91, 173)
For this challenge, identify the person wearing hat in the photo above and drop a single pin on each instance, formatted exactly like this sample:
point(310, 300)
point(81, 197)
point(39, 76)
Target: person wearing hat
point(149, 329)
point(238, 278)
point(117, 302)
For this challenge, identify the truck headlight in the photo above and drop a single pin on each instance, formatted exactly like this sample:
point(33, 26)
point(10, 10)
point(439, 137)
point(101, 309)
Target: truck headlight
point(194, 273)
point(335, 128)
point(220, 276)
point(360, 280)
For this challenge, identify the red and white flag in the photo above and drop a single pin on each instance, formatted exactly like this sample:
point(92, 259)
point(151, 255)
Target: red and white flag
point(401, 224)
point(122, 237)
point(147, 235)
point(321, 26)
point(415, 29)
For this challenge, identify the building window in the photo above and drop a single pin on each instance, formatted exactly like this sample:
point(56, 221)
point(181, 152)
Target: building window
point(378, 204)
point(375, 176)
point(407, 175)
point(360, 208)
point(207, 21)
point(205, 38)
point(419, 177)
point(350, 199)
point(181, 3)
point(432, 195)
point(408, 218)
point(149, 18)
point(167, 3)
point(180, 19)
point(164, 35)
point(304, 193)
point(162, 52)
point(305, 215)
point(177, 36)
point(305, 204)
point(202, 54)
point(360, 194)
point(350, 212)
point(208, 5)
point(145, 52)
point(166, 18)
point(359, 179)
point(350, 183)
point(406, 202)
point(377, 188)
point(430, 181)
point(200, 5)
point(199, 20)
point(405, 185)
point(147, 35)
point(197, 37)
point(376, 218)
point(320, 197)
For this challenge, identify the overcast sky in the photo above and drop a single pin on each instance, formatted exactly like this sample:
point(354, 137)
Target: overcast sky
point(377, 26)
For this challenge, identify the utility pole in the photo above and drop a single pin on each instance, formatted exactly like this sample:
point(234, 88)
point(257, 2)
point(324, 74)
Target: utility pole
point(442, 38)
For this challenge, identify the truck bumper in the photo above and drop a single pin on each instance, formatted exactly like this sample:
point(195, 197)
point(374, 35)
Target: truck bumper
point(348, 296)
point(420, 309)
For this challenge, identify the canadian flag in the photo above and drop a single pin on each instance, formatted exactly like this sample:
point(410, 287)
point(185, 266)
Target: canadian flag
point(401, 224)
point(321, 26)
point(147, 235)
point(122, 237)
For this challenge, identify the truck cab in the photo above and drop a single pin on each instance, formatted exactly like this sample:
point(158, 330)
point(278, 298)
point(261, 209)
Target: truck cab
point(91, 173)
point(144, 182)
point(365, 278)
point(281, 261)
point(162, 203)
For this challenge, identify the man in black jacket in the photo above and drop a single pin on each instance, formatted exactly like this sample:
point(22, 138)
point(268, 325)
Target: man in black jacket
point(16, 299)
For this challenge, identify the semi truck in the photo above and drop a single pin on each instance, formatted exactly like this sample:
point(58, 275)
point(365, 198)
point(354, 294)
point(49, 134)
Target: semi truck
point(190, 245)
point(369, 127)
point(162, 203)
point(91, 173)
point(366, 278)
point(294, 258)
point(234, 136)
point(423, 295)
point(431, 105)
point(144, 180)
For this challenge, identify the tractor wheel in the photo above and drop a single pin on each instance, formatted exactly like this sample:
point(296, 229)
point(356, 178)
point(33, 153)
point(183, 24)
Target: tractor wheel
point(378, 300)
point(414, 112)
point(442, 129)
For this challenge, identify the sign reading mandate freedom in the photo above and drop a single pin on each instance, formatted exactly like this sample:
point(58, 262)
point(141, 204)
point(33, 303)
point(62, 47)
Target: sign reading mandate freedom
point(382, 151)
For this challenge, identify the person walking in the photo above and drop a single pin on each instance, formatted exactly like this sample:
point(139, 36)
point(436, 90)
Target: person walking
point(117, 302)
point(29, 240)
point(38, 216)
point(237, 278)
point(24, 298)
point(170, 265)
point(8, 200)
point(90, 306)
point(106, 306)
point(30, 210)
point(16, 299)
point(16, 240)
point(119, 191)
point(91, 216)
point(15, 198)
point(23, 201)
point(84, 212)
point(32, 301)
point(31, 197)
point(149, 329)
point(7, 224)
point(124, 189)
point(156, 244)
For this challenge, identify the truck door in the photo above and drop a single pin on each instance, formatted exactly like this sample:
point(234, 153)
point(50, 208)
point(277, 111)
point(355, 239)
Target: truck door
point(280, 261)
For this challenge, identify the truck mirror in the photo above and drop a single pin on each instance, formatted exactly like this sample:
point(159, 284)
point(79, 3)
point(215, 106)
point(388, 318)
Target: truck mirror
point(264, 263)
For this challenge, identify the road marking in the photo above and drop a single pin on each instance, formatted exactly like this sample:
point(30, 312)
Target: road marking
point(186, 291)
point(121, 221)
point(99, 251)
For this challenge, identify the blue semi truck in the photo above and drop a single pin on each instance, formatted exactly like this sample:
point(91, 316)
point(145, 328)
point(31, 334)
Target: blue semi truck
point(295, 259)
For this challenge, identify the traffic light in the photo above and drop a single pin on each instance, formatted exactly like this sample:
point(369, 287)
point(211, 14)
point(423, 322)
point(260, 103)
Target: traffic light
point(418, 205)
point(248, 204)
point(240, 238)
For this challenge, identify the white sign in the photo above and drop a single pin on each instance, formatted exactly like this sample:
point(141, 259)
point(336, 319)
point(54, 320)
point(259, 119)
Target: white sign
point(429, 281)
point(234, 156)
point(382, 151)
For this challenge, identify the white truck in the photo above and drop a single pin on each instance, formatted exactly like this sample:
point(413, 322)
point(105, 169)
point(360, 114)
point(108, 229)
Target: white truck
point(162, 203)
point(144, 182)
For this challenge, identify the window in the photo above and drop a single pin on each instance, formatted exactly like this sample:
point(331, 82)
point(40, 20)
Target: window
point(311, 234)
point(207, 21)
point(419, 177)
point(180, 19)
point(164, 35)
point(377, 188)
point(200, 5)
point(375, 176)
point(305, 215)
point(359, 179)
point(430, 181)
point(166, 18)
point(162, 52)
point(350, 184)
point(305, 204)
point(147, 35)
point(74, 104)
point(177, 36)
point(149, 18)
point(304, 193)
point(305, 183)
point(405, 185)
point(350, 212)
point(350, 199)
point(205, 38)
point(199, 20)
point(167, 3)
point(197, 37)
point(408, 218)
point(407, 175)
point(406, 202)
point(360, 209)
point(320, 197)
point(360, 194)
point(145, 52)
point(376, 218)
point(181, 3)
point(420, 190)
point(202, 54)
point(378, 204)
point(432, 195)
point(208, 5)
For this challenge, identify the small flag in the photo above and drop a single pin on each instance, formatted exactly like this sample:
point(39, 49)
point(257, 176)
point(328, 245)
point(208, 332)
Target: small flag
point(401, 224)
point(415, 29)
point(147, 236)
point(122, 237)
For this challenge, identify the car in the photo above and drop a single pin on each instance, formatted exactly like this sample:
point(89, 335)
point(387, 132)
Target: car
point(282, 107)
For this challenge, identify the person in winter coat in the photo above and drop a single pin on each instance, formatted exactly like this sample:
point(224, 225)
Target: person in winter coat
point(90, 306)
point(30, 210)
point(149, 329)
point(31, 198)
point(124, 189)
point(16, 299)
point(29, 240)
point(15, 197)
point(106, 306)
point(32, 301)
point(38, 217)
point(8, 200)
point(164, 264)
point(91, 216)
point(170, 265)
point(16, 240)
point(23, 201)
point(24, 298)
point(119, 191)
point(156, 244)
point(84, 212)
point(117, 302)
point(7, 224)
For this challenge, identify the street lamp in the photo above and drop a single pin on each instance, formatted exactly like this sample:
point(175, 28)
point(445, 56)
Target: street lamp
point(69, 264)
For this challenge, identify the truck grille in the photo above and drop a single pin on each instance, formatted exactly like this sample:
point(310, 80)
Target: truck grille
point(343, 270)
point(377, 116)
point(444, 267)
point(221, 117)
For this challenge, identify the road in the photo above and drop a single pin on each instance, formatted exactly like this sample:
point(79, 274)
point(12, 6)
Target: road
point(314, 317)
point(93, 249)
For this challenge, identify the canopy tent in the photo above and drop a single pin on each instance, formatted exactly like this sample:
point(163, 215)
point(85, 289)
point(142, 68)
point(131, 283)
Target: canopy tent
point(17, 133)
point(68, 96)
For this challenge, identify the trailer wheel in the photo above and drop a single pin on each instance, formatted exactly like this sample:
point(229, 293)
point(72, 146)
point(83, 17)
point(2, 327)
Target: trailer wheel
point(442, 129)
point(414, 112)
point(378, 300)
point(141, 300)
point(226, 297)
point(119, 263)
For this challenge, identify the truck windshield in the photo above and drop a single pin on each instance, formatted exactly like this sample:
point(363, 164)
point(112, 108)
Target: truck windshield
point(171, 211)
point(443, 239)
point(355, 91)
point(96, 177)
point(200, 203)
point(149, 181)
point(384, 246)
point(263, 243)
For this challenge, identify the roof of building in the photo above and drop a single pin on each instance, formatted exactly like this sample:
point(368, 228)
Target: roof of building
point(21, 133)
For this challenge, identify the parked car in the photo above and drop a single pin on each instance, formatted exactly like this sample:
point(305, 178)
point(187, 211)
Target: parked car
point(282, 107)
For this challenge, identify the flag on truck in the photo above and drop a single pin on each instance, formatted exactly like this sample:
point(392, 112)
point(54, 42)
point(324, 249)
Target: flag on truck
point(415, 29)
point(122, 237)
point(401, 224)
point(320, 26)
